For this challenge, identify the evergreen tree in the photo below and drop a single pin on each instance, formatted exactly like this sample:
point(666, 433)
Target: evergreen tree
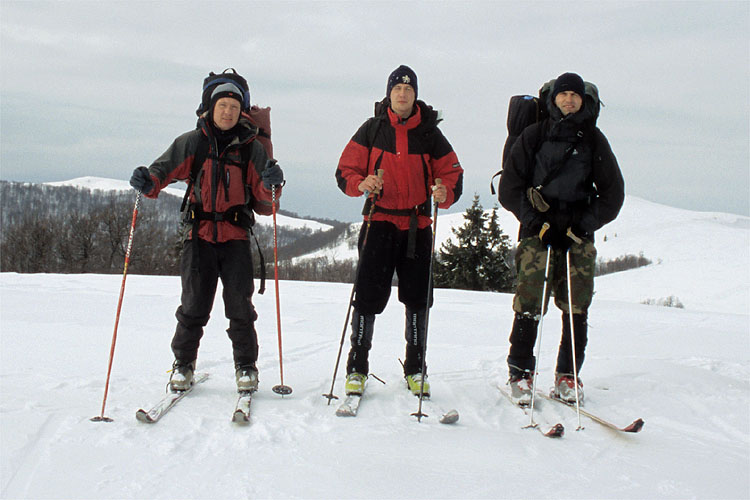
point(477, 260)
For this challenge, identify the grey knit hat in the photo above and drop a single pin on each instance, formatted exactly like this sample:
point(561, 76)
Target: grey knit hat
point(226, 90)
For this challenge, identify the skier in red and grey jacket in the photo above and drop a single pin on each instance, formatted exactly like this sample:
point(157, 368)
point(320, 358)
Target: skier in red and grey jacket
point(404, 141)
point(235, 179)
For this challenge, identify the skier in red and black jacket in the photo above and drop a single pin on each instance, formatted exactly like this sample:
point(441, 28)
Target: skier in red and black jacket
point(235, 179)
point(402, 140)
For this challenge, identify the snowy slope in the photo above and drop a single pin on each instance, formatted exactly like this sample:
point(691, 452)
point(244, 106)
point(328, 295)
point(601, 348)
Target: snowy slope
point(684, 246)
point(686, 372)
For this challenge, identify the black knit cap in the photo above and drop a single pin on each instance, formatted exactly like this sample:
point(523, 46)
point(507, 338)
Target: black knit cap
point(402, 74)
point(568, 82)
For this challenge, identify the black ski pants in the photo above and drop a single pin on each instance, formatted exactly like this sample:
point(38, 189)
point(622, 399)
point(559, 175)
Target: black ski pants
point(384, 253)
point(232, 262)
point(381, 255)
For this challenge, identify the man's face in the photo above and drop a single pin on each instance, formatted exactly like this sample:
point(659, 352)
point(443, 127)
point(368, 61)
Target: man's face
point(402, 99)
point(226, 113)
point(568, 102)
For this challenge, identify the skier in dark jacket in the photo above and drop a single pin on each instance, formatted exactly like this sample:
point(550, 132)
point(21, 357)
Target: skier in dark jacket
point(228, 187)
point(404, 141)
point(562, 182)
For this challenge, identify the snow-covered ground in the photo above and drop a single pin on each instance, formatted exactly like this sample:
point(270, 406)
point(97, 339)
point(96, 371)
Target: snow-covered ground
point(686, 372)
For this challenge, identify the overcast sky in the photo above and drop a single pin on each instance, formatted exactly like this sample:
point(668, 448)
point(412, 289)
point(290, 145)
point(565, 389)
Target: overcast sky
point(98, 88)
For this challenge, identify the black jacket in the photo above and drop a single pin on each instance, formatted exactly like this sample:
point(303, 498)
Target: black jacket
point(570, 158)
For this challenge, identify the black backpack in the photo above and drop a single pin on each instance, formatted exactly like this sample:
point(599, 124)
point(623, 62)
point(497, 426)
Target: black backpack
point(525, 110)
point(212, 80)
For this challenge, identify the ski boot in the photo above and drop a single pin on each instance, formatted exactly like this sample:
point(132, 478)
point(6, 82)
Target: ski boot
point(355, 384)
point(414, 383)
point(247, 378)
point(182, 375)
point(565, 388)
point(521, 384)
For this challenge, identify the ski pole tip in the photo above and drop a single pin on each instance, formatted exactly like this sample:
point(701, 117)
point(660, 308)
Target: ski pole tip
point(101, 418)
point(284, 390)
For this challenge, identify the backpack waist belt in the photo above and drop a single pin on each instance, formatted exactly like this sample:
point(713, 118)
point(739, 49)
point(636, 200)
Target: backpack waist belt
point(412, 213)
point(237, 215)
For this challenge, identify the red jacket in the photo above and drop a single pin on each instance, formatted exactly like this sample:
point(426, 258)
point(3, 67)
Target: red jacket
point(412, 153)
point(221, 183)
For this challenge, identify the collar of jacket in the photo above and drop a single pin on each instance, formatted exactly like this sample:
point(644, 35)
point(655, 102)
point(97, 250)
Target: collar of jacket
point(245, 131)
point(412, 122)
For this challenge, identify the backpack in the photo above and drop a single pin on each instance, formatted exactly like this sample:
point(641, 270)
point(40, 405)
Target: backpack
point(525, 110)
point(212, 80)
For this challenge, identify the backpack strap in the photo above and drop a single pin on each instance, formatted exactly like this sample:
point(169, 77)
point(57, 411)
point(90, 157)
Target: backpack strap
point(201, 153)
point(234, 215)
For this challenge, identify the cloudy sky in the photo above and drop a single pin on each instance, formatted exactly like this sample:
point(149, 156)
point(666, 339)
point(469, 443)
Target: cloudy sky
point(98, 88)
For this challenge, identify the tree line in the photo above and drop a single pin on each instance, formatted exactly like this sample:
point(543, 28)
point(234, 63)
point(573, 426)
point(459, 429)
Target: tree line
point(64, 229)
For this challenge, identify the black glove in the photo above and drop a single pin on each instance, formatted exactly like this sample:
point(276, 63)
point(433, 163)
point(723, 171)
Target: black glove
point(272, 175)
point(141, 180)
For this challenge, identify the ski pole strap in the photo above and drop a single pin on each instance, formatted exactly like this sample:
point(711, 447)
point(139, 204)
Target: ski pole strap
point(262, 264)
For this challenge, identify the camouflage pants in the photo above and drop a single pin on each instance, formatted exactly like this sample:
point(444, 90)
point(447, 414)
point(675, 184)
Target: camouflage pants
point(530, 261)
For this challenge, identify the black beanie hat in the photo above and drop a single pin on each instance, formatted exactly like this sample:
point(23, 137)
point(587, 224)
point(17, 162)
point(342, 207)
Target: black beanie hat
point(568, 82)
point(402, 74)
point(226, 90)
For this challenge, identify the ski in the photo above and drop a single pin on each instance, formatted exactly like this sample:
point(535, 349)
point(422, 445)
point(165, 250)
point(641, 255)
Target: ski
point(555, 431)
point(634, 427)
point(168, 401)
point(241, 413)
point(350, 406)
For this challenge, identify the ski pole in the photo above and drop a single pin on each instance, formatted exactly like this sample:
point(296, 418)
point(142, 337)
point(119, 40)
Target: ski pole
point(281, 388)
point(101, 417)
point(539, 336)
point(572, 339)
point(419, 413)
point(330, 395)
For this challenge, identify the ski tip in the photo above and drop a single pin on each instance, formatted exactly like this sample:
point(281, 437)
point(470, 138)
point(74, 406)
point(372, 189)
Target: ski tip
point(143, 416)
point(240, 417)
point(635, 426)
point(557, 431)
point(450, 417)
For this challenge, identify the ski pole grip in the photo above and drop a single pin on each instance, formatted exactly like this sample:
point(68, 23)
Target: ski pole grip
point(377, 191)
point(545, 228)
point(573, 237)
point(438, 182)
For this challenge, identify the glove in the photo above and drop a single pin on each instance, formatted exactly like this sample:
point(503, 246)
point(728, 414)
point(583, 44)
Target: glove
point(272, 175)
point(141, 180)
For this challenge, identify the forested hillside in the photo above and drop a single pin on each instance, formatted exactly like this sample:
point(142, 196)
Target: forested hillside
point(66, 229)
